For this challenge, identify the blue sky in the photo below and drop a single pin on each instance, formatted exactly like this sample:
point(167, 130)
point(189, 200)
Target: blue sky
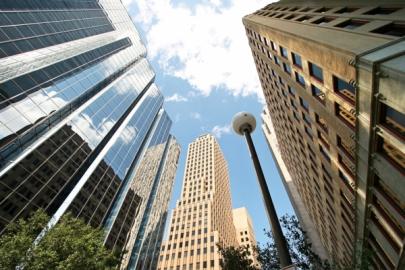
point(204, 67)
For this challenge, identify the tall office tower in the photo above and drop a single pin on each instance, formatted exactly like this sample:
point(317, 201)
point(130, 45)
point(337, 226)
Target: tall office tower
point(80, 118)
point(244, 232)
point(292, 191)
point(332, 73)
point(203, 215)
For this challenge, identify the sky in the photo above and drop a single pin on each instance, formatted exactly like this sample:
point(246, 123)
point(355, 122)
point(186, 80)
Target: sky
point(205, 69)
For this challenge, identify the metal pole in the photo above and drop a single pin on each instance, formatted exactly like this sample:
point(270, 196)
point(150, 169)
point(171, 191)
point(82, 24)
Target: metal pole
point(281, 244)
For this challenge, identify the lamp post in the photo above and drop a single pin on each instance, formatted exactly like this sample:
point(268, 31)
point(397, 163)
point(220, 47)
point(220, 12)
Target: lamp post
point(244, 124)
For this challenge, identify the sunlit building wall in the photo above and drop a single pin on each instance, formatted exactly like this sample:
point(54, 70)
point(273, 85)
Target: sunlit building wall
point(203, 215)
point(245, 233)
point(82, 128)
point(332, 73)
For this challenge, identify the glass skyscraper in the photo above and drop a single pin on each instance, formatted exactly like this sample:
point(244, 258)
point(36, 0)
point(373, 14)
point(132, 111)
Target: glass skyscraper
point(82, 128)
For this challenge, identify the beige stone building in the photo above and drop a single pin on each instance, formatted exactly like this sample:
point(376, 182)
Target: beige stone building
point(203, 215)
point(244, 232)
point(332, 73)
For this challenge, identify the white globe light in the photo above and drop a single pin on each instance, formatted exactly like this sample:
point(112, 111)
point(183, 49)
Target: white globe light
point(242, 121)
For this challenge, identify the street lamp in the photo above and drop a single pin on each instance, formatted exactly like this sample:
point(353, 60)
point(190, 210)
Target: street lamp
point(244, 123)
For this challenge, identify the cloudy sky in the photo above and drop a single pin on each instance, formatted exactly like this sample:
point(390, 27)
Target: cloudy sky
point(205, 69)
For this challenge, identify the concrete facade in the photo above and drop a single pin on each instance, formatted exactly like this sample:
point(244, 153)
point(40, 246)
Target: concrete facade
point(332, 74)
point(203, 215)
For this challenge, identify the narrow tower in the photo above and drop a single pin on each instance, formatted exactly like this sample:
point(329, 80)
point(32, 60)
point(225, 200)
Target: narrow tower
point(244, 232)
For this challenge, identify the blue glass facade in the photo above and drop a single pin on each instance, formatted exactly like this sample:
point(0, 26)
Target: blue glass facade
point(82, 128)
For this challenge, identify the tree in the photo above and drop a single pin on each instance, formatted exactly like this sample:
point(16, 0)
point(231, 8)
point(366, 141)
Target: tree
point(70, 244)
point(235, 258)
point(299, 247)
point(301, 251)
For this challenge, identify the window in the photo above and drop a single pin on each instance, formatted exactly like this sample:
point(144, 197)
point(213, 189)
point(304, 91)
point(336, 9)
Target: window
point(324, 152)
point(293, 104)
point(318, 94)
point(283, 52)
point(308, 131)
point(304, 104)
point(291, 90)
point(276, 60)
point(393, 29)
point(289, 17)
point(345, 147)
point(381, 11)
point(300, 79)
point(287, 68)
point(281, 80)
point(315, 71)
point(323, 20)
point(393, 120)
point(273, 46)
point(346, 116)
point(346, 10)
point(306, 118)
point(305, 9)
point(297, 60)
point(346, 181)
point(351, 24)
point(323, 139)
point(322, 10)
point(304, 19)
point(393, 154)
point(344, 89)
point(321, 122)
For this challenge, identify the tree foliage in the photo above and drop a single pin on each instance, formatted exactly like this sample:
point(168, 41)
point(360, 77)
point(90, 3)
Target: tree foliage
point(300, 248)
point(235, 258)
point(69, 245)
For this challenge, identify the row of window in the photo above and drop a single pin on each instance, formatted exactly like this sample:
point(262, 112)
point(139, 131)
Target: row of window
point(375, 11)
point(340, 87)
point(391, 29)
point(192, 242)
point(198, 265)
point(323, 148)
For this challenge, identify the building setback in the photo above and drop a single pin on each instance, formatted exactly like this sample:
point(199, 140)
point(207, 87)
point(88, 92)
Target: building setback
point(332, 73)
point(203, 215)
point(245, 232)
point(82, 128)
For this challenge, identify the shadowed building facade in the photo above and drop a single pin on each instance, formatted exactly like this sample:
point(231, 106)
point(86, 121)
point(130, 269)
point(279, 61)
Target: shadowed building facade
point(203, 215)
point(295, 199)
point(81, 120)
point(332, 73)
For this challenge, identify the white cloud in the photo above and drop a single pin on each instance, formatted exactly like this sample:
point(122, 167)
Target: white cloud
point(205, 45)
point(176, 98)
point(218, 131)
point(195, 115)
